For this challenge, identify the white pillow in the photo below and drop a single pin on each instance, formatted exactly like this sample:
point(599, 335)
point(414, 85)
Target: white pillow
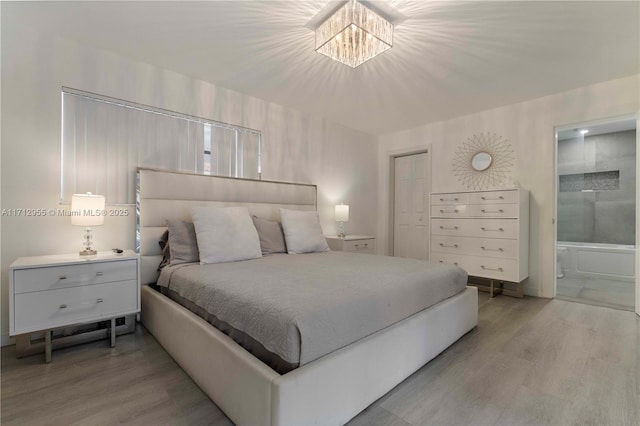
point(302, 231)
point(225, 234)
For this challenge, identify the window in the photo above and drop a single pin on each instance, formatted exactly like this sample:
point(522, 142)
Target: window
point(105, 139)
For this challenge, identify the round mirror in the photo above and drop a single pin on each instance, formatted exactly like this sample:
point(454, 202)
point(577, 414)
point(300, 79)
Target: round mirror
point(481, 161)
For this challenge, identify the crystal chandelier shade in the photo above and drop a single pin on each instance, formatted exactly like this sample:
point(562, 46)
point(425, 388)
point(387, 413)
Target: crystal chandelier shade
point(354, 34)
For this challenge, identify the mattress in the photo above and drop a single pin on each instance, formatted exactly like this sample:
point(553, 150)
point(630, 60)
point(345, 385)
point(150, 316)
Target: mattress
point(289, 310)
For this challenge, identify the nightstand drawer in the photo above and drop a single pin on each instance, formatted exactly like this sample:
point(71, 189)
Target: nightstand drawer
point(57, 308)
point(361, 246)
point(58, 277)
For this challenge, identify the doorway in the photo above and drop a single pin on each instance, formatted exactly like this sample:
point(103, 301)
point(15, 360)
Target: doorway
point(596, 191)
point(411, 187)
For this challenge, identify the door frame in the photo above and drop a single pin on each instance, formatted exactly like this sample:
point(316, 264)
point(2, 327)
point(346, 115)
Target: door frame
point(391, 158)
point(557, 129)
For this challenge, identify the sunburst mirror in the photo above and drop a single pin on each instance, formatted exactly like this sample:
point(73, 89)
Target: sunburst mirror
point(484, 160)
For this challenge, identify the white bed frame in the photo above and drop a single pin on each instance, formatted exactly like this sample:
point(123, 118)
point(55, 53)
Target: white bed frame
point(329, 390)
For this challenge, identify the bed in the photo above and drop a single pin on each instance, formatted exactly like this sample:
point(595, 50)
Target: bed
point(328, 388)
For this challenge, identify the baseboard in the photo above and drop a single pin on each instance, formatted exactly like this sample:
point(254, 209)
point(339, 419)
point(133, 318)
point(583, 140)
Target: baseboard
point(527, 289)
point(6, 340)
point(532, 291)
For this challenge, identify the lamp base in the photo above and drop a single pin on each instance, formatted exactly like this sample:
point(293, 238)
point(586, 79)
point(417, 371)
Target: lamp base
point(88, 252)
point(341, 234)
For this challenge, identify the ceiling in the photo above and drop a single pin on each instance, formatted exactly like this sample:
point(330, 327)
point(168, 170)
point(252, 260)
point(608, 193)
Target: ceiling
point(449, 58)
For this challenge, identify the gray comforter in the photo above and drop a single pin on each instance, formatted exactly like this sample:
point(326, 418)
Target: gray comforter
point(301, 307)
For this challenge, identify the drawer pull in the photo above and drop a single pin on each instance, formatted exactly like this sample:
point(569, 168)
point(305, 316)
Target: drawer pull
point(448, 211)
point(452, 246)
point(455, 228)
point(492, 269)
point(63, 306)
point(99, 274)
point(492, 211)
point(62, 277)
point(448, 199)
point(99, 301)
point(492, 249)
point(442, 261)
point(492, 199)
point(493, 230)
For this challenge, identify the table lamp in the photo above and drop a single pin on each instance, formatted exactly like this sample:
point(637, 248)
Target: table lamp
point(342, 216)
point(87, 210)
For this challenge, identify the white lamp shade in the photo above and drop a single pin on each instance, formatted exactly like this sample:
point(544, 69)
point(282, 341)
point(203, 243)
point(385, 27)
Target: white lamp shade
point(342, 213)
point(87, 209)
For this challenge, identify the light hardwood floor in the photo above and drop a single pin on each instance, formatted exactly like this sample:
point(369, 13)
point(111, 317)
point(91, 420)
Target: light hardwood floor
point(529, 362)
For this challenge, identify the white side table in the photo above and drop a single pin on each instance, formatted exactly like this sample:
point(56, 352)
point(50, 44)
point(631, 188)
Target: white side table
point(50, 292)
point(353, 243)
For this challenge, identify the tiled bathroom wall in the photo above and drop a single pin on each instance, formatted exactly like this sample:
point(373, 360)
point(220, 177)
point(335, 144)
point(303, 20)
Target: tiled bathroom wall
point(597, 186)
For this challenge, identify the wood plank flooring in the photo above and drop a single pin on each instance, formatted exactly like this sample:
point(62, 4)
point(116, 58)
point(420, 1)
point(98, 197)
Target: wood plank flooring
point(529, 362)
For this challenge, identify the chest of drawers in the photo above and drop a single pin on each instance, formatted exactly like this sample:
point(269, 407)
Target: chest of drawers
point(484, 232)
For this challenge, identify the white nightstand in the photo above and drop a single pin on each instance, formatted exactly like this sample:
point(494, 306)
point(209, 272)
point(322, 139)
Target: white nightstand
point(49, 292)
point(353, 243)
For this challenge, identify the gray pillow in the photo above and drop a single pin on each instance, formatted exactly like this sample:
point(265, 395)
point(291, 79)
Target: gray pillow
point(270, 234)
point(164, 246)
point(225, 234)
point(302, 232)
point(183, 246)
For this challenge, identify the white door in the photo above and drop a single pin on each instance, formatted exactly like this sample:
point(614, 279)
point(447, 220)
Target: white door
point(411, 206)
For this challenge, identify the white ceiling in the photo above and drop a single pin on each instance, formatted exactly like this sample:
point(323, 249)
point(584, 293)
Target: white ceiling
point(449, 58)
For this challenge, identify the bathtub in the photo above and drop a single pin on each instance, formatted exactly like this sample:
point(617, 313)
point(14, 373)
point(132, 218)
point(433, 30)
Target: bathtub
point(597, 260)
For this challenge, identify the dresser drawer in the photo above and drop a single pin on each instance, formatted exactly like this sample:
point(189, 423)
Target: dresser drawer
point(360, 246)
point(490, 247)
point(478, 266)
point(57, 277)
point(482, 228)
point(438, 199)
point(475, 210)
point(494, 197)
point(450, 210)
point(449, 259)
point(57, 308)
point(492, 210)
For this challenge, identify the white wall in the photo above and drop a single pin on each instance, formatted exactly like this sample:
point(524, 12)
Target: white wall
point(529, 128)
point(296, 147)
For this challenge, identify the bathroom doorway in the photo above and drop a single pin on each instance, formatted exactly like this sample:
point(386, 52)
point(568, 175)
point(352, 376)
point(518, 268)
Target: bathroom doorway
point(596, 213)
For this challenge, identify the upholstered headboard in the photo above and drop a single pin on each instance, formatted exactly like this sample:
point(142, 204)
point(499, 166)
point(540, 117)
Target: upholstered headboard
point(163, 195)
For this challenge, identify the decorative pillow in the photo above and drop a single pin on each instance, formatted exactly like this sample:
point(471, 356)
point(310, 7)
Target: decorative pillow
point(270, 234)
point(225, 234)
point(302, 231)
point(183, 247)
point(164, 246)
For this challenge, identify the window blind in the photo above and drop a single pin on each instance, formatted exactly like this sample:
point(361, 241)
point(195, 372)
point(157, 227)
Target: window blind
point(104, 140)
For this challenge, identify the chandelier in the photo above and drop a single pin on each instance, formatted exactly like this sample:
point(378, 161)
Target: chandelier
point(354, 34)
